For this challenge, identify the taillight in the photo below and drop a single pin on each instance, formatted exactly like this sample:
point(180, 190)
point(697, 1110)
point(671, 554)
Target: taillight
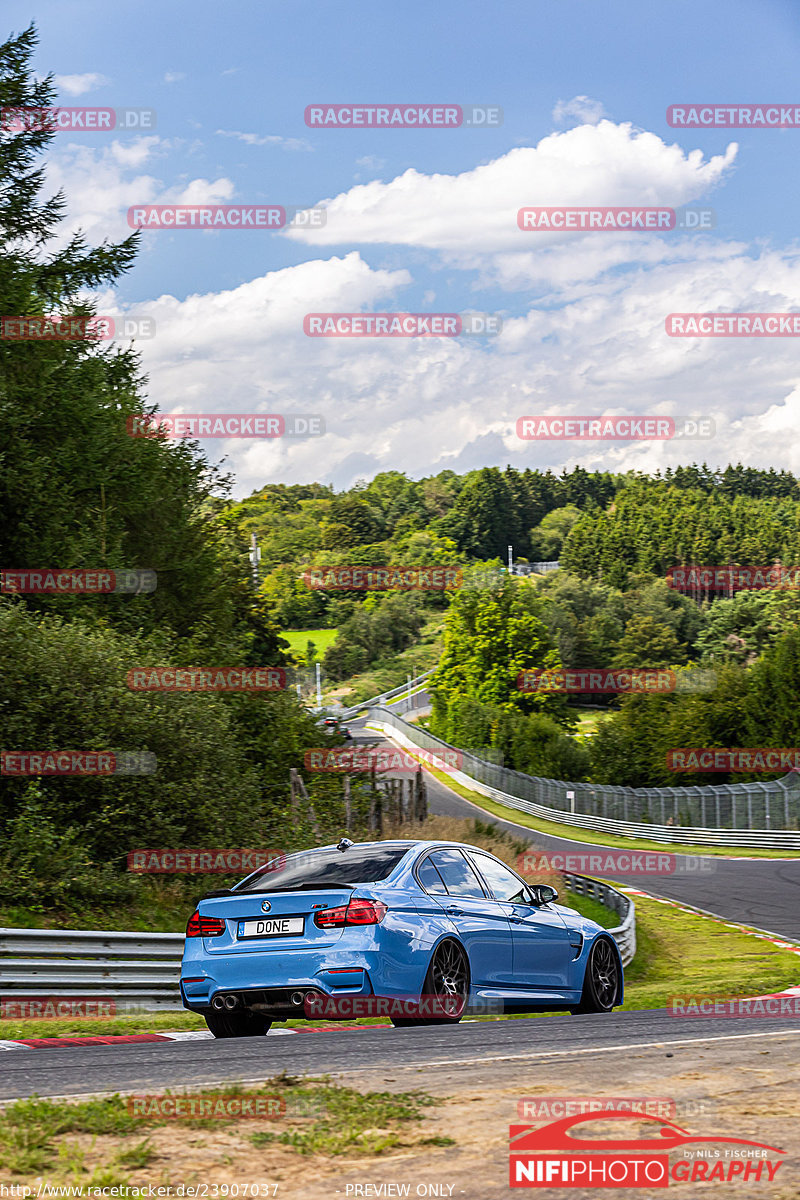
point(357, 912)
point(204, 926)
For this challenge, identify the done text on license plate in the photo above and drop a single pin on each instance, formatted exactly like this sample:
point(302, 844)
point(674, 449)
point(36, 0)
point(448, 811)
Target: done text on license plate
point(270, 927)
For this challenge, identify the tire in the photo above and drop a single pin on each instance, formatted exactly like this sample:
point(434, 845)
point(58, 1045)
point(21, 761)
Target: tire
point(236, 1024)
point(601, 981)
point(447, 978)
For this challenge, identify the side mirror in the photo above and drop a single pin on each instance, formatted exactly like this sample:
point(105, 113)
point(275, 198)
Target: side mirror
point(544, 894)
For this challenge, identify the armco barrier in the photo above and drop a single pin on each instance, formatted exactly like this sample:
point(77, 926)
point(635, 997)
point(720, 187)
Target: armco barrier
point(140, 971)
point(137, 970)
point(416, 685)
point(731, 814)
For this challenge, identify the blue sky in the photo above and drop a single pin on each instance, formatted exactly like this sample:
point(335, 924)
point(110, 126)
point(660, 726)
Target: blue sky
point(225, 78)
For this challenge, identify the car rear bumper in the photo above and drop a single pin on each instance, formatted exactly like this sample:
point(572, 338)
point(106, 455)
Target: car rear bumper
point(258, 979)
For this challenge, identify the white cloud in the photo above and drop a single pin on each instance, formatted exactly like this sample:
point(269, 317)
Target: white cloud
point(77, 85)
point(268, 139)
point(580, 109)
point(471, 218)
point(174, 76)
point(101, 183)
point(421, 405)
point(590, 339)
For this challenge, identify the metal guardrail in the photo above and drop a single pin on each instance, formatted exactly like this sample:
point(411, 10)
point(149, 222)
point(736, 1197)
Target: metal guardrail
point(137, 970)
point(729, 814)
point(347, 713)
point(140, 971)
point(623, 934)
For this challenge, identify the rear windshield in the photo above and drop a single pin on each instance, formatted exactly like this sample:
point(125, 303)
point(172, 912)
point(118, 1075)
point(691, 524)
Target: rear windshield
point(328, 868)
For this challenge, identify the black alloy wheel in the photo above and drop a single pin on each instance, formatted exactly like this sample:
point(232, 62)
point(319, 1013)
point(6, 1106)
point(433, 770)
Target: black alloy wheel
point(446, 987)
point(601, 982)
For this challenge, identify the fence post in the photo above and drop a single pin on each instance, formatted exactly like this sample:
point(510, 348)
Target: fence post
point(422, 796)
point(296, 784)
point(347, 804)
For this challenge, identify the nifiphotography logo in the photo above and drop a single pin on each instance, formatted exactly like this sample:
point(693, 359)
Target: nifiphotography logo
point(553, 1155)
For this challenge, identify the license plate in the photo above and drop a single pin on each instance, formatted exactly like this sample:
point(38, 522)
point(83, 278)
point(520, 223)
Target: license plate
point(271, 927)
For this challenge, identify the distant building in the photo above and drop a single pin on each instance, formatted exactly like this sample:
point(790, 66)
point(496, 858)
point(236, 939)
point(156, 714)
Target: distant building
point(538, 568)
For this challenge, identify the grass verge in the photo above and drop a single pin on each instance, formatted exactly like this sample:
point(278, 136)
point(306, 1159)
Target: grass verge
point(682, 954)
point(316, 1118)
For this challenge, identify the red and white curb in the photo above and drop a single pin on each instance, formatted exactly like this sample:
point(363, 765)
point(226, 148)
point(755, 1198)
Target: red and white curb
point(121, 1039)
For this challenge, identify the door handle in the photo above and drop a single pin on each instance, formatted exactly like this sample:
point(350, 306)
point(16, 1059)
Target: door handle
point(516, 920)
point(454, 911)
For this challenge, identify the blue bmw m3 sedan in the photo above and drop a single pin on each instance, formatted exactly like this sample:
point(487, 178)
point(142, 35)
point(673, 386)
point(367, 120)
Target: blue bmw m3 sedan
point(420, 931)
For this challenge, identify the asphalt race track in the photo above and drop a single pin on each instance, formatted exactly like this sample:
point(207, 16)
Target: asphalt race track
point(764, 892)
point(144, 1066)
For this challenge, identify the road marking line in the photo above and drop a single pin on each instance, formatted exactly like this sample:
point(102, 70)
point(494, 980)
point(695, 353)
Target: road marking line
point(727, 1037)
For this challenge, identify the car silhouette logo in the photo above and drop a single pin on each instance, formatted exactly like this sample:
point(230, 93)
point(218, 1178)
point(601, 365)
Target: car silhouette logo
point(265, 906)
point(555, 1135)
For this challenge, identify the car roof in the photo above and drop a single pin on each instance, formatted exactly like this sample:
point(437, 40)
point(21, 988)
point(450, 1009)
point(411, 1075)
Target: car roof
point(420, 843)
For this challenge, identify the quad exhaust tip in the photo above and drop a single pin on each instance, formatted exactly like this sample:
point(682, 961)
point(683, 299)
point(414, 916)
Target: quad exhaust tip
point(229, 1002)
point(297, 998)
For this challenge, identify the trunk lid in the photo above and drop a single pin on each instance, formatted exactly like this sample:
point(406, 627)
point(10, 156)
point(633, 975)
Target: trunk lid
point(243, 916)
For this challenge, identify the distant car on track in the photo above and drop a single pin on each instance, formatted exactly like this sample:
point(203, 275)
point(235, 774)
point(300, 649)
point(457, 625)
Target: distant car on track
point(398, 920)
point(335, 725)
